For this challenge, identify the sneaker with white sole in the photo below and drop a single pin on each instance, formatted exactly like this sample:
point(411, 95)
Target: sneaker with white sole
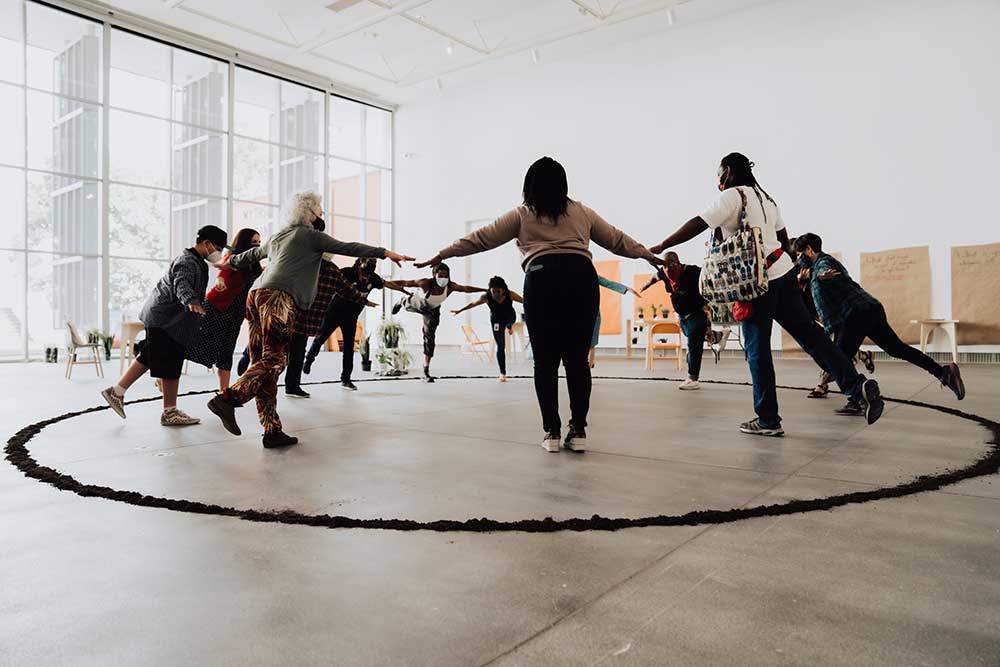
point(175, 417)
point(576, 439)
point(874, 404)
point(551, 441)
point(689, 384)
point(116, 402)
point(753, 427)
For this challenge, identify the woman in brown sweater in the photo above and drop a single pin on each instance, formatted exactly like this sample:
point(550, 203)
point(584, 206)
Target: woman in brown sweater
point(553, 233)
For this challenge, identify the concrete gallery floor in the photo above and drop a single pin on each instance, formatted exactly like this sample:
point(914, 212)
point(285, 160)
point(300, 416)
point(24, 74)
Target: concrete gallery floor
point(904, 581)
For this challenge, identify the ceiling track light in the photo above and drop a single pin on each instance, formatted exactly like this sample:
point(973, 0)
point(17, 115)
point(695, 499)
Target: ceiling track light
point(670, 17)
point(535, 57)
point(450, 49)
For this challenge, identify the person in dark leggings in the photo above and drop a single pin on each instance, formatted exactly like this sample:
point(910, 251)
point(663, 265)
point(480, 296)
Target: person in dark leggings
point(681, 282)
point(854, 314)
point(500, 300)
point(426, 302)
point(782, 303)
point(553, 233)
point(343, 314)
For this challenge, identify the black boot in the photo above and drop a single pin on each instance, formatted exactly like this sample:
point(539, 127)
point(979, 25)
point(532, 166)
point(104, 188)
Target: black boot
point(279, 439)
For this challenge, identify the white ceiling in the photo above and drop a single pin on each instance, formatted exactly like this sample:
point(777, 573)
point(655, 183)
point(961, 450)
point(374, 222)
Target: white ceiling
point(396, 50)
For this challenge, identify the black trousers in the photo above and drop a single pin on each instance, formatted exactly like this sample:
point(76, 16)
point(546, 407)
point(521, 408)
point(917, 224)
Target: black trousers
point(871, 322)
point(345, 319)
point(296, 356)
point(560, 308)
point(500, 328)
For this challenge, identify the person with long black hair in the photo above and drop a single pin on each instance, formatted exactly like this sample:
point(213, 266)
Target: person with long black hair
point(225, 307)
point(500, 300)
point(782, 303)
point(553, 233)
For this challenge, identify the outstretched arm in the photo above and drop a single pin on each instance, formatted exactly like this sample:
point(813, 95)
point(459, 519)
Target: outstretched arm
point(652, 281)
point(420, 283)
point(687, 231)
point(514, 296)
point(455, 287)
point(469, 306)
point(614, 286)
point(504, 229)
point(396, 285)
point(610, 237)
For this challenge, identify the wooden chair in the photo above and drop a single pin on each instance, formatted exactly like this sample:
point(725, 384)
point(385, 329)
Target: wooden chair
point(78, 342)
point(476, 345)
point(126, 343)
point(660, 329)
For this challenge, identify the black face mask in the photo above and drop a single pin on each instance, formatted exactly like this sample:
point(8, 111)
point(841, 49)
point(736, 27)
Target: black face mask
point(319, 225)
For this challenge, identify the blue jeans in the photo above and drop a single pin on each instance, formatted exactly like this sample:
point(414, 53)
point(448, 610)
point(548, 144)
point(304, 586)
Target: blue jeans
point(694, 328)
point(783, 304)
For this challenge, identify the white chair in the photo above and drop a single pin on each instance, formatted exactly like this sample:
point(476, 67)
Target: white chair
point(78, 342)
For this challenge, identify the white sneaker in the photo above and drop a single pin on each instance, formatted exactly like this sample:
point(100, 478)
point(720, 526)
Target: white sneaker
point(175, 417)
point(689, 384)
point(552, 441)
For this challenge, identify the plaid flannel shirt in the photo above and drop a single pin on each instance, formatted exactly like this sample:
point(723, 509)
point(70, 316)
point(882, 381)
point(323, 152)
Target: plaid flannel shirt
point(332, 282)
point(836, 297)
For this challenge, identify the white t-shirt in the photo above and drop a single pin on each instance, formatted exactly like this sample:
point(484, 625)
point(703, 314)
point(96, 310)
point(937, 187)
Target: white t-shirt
point(725, 213)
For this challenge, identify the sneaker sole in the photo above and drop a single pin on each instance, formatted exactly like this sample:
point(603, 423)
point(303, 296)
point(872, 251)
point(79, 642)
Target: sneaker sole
point(689, 388)
point(350, 388)
point(849, 414)
point(576, 446)
point(551, 446)
point(873, 397)
point(194, 423)
point(235, 431)
point(767, 433)
point(114, 407)
point(287, 395)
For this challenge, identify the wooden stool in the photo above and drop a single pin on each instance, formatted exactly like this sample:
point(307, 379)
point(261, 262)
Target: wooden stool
point(928, 327)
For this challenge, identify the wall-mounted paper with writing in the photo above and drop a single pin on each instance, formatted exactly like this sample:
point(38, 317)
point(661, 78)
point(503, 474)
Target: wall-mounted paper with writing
point(975, 293)
point(901, 280)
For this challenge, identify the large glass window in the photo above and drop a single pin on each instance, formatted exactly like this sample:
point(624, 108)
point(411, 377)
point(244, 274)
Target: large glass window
point(98, 199)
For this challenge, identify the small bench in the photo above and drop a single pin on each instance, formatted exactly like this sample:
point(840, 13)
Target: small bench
point(927, 327)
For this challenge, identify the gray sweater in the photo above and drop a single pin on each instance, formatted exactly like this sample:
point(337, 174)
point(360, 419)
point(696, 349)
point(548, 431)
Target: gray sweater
point(294, 254)
point(184, 283)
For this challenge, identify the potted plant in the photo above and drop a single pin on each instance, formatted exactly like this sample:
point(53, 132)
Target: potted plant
point(365, 351)
point(392, 359)
point(652, 308)
point(107, 341)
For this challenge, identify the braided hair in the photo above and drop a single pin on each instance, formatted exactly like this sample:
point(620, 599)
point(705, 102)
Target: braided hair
point(741, 173)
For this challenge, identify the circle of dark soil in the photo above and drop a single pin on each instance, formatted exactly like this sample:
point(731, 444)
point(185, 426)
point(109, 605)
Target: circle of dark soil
point(988, 464)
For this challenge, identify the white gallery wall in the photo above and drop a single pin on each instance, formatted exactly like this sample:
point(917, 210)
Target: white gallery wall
point(873, 123)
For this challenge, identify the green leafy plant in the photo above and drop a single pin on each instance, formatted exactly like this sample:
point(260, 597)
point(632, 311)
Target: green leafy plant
point(395, 360)
point(364, 350)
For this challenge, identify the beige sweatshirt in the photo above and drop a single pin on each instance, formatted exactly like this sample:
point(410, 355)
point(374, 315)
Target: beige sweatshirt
point(539, 236)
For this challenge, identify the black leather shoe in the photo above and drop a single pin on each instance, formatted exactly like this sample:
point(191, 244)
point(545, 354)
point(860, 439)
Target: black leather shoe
point(296, 392)
point(279, 439)
point(225, 411)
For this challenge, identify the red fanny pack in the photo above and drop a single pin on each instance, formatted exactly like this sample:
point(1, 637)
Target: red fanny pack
point(743, 310)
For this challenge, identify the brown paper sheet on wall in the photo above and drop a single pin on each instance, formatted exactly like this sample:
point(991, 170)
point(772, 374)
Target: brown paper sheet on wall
point(656, 295)
point(611, 301)
point(901, 280)
point(788, 343)
point(975, 293)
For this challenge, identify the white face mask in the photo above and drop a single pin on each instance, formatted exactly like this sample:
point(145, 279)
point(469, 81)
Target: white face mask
point(443, 282)
point(214, 257)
